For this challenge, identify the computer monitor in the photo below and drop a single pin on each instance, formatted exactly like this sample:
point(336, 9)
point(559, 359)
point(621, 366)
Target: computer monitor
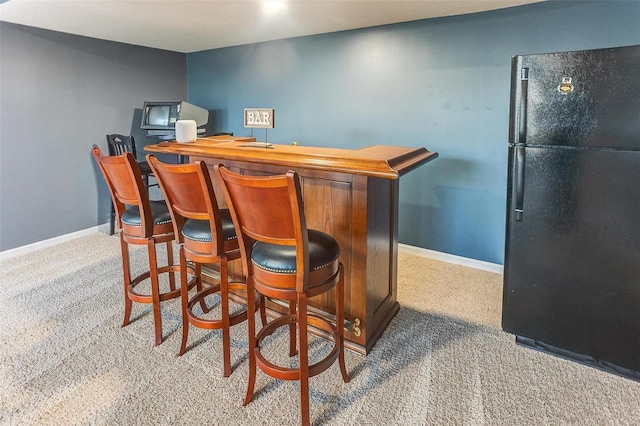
point(159, 118)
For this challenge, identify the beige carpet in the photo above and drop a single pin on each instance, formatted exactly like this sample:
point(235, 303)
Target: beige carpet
point(65, 360)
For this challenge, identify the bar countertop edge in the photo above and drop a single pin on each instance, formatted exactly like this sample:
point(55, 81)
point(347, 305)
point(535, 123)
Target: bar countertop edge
point(383, 161)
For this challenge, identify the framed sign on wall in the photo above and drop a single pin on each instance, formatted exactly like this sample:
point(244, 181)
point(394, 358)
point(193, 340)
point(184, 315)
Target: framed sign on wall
point(259, 118)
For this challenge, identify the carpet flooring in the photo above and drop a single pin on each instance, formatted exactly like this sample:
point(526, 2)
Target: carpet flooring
point(443, 360)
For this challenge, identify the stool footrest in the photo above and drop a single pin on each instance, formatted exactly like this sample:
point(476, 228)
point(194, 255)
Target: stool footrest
point(288, 373)
point(167, 295)
point(213, 324)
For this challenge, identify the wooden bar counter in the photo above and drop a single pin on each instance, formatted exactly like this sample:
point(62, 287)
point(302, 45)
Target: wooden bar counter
point(350, 194)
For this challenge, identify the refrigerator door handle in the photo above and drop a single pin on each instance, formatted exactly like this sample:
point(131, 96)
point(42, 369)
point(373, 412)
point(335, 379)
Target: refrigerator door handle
point(522, 139)
point(524, 94)
point(519, 183)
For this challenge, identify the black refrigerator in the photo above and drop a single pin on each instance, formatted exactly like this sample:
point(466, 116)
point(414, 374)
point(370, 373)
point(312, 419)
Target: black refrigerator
point(572, 251)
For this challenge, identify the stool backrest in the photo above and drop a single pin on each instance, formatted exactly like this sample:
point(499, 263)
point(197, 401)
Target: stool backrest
point(189, 194)
point(267, 209)
point(124, 181)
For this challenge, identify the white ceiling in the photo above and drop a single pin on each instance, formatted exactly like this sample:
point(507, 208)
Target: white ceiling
point(190, 26)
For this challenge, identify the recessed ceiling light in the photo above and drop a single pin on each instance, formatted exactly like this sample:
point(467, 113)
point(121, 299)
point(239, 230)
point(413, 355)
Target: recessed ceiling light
point(273, 6)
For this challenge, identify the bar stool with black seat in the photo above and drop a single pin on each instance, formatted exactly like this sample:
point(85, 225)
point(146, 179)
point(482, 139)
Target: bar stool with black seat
point(205, 235)
point(118, 145)
point(143, 222)
point(282, 259)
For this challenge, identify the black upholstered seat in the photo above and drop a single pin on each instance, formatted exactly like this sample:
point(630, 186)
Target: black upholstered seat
point(200, 230)
point(159, 212)
point(323, 250)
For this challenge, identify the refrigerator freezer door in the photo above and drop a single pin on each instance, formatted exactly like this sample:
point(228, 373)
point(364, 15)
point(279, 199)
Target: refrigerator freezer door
point(572, 265)
point(583, 98)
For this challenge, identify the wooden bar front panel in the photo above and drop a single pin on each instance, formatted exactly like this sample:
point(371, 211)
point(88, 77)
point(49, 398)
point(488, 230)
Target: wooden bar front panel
point(358, 211)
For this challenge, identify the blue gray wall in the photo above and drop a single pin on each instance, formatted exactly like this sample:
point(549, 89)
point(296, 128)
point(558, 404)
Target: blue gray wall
point(61, 94)
point(439, 83)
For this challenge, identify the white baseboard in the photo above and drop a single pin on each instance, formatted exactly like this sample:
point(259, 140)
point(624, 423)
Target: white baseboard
point(416, 251)
point(7, 254)
point(451, 258)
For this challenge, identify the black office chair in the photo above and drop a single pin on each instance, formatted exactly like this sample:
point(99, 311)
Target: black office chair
point(118, 145)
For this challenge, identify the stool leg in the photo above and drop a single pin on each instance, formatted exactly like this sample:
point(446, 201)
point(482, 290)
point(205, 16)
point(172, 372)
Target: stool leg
point(155, 290)
point(303, 358)
point(197, 268)
point(224, 294)
point(251, 326)
point(112, 220)
point(184, 298)
point(126, 274)
point(340, 324)
point(170, 262)
point(292, 330)
point(263, 311)
point(199, 288)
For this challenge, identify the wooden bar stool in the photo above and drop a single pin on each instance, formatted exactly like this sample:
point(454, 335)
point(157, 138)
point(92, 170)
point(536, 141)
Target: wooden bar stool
point(205, 235)
point(142, 222)
point(282, 259)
